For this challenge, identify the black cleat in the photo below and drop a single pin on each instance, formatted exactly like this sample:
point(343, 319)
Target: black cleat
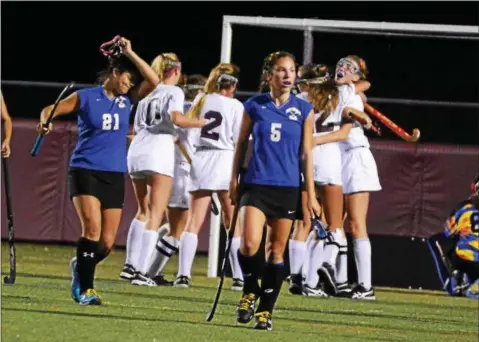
point(296, 284)
point(142, 280)
point(237, 285)
point(245, 308)
point(128, 272)
point(313, 292)
point(360, 292)
point(263, 321)
point(328, 277)
point(344, 290)
point(161, 281)
point(182, 281)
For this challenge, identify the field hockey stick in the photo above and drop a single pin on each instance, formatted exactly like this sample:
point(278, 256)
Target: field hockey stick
point(39, 141)
point(363, 122)
point(392, 126)
point(10, 279)
point(112, 48)
point(229, 237)
point(184, 152)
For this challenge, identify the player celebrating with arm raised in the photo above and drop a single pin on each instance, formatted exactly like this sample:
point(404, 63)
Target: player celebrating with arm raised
point(359, 174)
point(98, 162)
point(282, 128)
point(151, 156)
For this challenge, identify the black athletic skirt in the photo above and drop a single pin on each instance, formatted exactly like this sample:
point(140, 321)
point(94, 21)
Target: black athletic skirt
point(273, 201)
point(108, 187)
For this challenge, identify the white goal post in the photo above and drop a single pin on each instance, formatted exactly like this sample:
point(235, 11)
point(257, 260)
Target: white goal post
point(308, 26)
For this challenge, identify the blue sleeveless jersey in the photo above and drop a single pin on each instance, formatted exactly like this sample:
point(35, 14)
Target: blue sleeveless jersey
point(102, 130)
point(277, 140)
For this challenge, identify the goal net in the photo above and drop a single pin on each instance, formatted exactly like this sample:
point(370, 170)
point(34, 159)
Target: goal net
point(399, 60)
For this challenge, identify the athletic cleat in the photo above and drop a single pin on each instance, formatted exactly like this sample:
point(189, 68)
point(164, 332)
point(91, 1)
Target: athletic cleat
point(75, 285)
point(263, 321)
point(296, 284)
point(344, 290)
point(90, 297)
point(237, 285)
point(182, 281)
point(161, 281)
point(327, 276)
point(128, 272)
point(142, 280)
point(313, 292)
point(360, 292)
point(245, 308)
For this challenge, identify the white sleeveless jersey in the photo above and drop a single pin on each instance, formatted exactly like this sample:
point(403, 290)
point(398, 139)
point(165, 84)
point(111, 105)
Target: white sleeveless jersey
point(356, 136)
point(223, 115)
point(153, 113)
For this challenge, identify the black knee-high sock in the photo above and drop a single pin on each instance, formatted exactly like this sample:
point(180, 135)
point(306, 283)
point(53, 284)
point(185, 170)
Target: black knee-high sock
point(103, 252)
point(270, 286)
point(251, 266)
point(87, 252)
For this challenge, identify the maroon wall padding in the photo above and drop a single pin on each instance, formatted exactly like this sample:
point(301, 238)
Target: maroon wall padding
point(421, 184)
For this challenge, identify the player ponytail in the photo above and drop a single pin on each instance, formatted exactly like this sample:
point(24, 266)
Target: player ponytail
point(165, 64)
point(222, 77)
point(323, 92)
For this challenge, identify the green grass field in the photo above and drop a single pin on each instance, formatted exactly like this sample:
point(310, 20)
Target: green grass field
point(38, 307)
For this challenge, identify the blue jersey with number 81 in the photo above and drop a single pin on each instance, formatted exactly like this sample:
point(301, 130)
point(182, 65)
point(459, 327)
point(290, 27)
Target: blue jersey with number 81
point(277, 140)
point(103, 124)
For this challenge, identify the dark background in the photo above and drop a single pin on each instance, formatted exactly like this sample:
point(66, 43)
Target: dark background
point(58, 41)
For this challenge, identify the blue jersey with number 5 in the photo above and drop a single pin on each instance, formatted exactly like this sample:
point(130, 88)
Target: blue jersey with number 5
point(103, 124)
point(277, 140)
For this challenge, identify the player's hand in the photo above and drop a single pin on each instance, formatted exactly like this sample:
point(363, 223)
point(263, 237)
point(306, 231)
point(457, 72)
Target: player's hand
point(125, 45)
point(314, 208)
point(368, 124)
point(6, 149)
point(41, 127)
point(233, 191)
point(202, 122)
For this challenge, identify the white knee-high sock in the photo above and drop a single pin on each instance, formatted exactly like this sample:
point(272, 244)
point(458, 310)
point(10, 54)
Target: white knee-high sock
point(233, 257)
point(297, 252)
point(148, 243)
point(362, 254)
point(342, 262)
point(133, 243)
point(315, 261)
point(309, 245)
point(165, 248)
point(188, 246)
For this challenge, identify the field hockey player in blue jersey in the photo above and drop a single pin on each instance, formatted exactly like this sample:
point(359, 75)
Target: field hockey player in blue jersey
point(98, 162)
point(282, 129)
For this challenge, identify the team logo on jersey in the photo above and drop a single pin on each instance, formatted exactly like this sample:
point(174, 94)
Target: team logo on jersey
point(293, 113)
point(120, 101)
